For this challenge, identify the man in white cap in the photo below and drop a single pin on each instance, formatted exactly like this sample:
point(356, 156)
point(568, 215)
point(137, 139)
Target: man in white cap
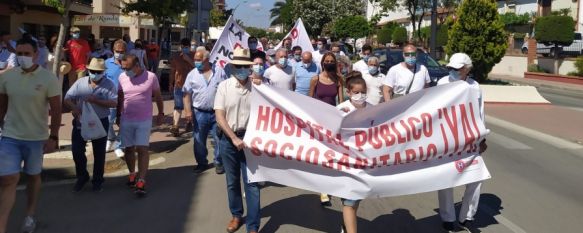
point(460, 66)
point(101, 94)
point(232, 108)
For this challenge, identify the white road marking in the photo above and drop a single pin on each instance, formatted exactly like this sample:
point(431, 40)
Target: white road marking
point(507, 142)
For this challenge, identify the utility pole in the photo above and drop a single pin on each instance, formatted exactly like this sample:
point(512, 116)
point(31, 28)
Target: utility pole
point(433, 38)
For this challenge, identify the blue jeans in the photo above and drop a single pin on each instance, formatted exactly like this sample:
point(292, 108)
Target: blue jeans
point(235, 165)
point(178, 101)
point(78, 149)
point(203, 123)
point(13, 152)
point(110, 132)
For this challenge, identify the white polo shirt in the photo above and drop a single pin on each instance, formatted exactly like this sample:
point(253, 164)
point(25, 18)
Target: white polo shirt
point(374, 87)
point(399, 77)
point(281, 78)
point(472, 83)
point(235, 100)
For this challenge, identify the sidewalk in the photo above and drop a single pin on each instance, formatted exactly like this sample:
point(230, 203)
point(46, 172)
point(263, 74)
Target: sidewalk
point(538, 83)
point(553, 120)
point(160, 141)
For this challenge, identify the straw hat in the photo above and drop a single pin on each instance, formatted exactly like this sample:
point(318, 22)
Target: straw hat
point(241, 57)
point(64, 67)
point(97, 64)
point(75, 29)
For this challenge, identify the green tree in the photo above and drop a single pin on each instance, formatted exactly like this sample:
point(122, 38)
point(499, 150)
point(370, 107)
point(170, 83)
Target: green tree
point(384, 35)
point(281, 13)
point(257, 32)
point(399, 36)
point(163, 12)
point(478, 32)
point(352, 26)
point(383, 7)
point(556, 30)
point(62, 7)
point(218, 18)
point(417, 9)
point(317, 13)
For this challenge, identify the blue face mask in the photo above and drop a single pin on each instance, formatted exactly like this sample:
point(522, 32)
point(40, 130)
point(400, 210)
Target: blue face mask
point(130, 73)
point(253, 46)
point(282, 61)
point(298, 57)
point(95, 77)
point(373, 70)
point(117, 56)
point(410, 60)
point(76, 35)
point(365, 58)
point(198, 65)
point(455, 75)
point(241, 74)
point(185, 50)
point(258, 69)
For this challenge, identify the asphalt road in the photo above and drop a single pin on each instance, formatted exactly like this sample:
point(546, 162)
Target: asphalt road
point(563, 98)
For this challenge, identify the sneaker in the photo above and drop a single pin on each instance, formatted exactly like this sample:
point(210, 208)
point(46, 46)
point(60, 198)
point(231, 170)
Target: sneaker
point(29, 225)
point(97, 188)
point(448, 226)
point(467, 225)
point(119, 153)
point(342, 228)
point(79, 185)
point(175, 131)
point(325, 200)
point(200, 168)
point(131, 180)
point(140, 190)
point(109, 146)
point(219, 169)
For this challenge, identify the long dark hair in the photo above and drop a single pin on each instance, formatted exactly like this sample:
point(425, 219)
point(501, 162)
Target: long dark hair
point(334, 76)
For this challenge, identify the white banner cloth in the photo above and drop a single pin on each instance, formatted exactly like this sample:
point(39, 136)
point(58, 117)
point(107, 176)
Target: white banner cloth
point(233, 36)
point(299, 37)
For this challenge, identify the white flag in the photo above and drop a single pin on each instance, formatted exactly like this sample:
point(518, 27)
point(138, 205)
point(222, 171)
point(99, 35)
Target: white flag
point(232, 37)
point(299, 37)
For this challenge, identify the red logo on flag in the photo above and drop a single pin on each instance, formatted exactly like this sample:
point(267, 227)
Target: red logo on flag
point(460, 165)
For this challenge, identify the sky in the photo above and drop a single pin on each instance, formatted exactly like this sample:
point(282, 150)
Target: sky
point(252, 12)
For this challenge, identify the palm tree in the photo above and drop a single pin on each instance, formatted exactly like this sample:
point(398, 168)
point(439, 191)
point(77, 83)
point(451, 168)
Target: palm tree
point(281, 13)
point(276, 12)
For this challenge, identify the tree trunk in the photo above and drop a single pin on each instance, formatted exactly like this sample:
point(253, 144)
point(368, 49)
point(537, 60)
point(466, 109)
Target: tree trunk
point(556, 62)
point(58, 50)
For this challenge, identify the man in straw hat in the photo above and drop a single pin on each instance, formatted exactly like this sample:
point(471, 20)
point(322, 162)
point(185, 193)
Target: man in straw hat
point(25, 93)
point(232, 109)
point(101, 93)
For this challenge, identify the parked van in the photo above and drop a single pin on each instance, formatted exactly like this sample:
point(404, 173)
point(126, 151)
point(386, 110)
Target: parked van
point(574, 49)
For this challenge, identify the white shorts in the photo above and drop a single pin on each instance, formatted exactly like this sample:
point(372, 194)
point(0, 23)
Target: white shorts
point(135, 133)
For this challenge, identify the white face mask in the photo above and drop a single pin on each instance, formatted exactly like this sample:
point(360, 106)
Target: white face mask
point(358, 99)
point(24, 61)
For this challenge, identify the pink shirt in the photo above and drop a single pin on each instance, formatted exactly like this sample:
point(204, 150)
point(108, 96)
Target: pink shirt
point(137, 95)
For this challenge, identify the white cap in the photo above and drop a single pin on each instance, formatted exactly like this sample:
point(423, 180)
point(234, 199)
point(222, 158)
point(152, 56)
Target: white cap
point(459, 60)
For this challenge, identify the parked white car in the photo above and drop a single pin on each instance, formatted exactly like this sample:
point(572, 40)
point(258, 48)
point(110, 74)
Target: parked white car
point(575, 48)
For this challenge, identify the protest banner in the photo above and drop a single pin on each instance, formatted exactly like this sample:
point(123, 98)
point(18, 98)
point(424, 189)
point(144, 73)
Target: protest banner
point(299, 37)
point(425, 141)
point(233, 36)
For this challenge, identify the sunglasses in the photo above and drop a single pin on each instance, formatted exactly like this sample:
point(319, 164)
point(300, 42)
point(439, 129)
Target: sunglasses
point(241, 66)
point(410, 54)
point(96, 71)
point(451, 68)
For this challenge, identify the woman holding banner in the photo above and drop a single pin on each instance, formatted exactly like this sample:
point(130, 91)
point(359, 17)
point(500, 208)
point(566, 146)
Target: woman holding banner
point(327, 87)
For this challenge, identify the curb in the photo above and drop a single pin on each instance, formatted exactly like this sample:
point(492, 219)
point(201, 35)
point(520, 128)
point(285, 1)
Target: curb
point(534, 84)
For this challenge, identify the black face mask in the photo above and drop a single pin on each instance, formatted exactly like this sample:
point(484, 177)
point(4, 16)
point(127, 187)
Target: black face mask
point(330, 67)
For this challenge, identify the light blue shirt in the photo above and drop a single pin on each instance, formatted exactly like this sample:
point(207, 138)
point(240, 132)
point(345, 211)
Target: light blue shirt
point(304, 76)
point(112, 71)
point(8, 57)
point(202, 91)
point(81, 89)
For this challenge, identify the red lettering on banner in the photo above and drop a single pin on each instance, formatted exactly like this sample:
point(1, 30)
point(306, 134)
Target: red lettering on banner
point(329, 157)
point(294, 33)
point(254, 149)
point(361, 163)
point(427, 124)
point(309, 125)
point(452, 123)
point(400, 138)
point(413, 121)
point(374, 162)
point(273, 144)
point(301, 125)
point(299, 154)
point(374, 138)
point(276, 120)
point(359, 139)
point(385, 159)
point(421, 154)
point(314, 158)
point(329, 138)
point(285, 147)
point(474, 119)
point(431, 151)
point(222, 63)
point(318, 131)
point(343, 162)
point(410, 155)
point(237, 45)
point(397, 159)
point(468, 131)
point(445, 142)
point(289, 129)
point(339, 139)
point(406, 129)
point(386, 135)
point(262, 118)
